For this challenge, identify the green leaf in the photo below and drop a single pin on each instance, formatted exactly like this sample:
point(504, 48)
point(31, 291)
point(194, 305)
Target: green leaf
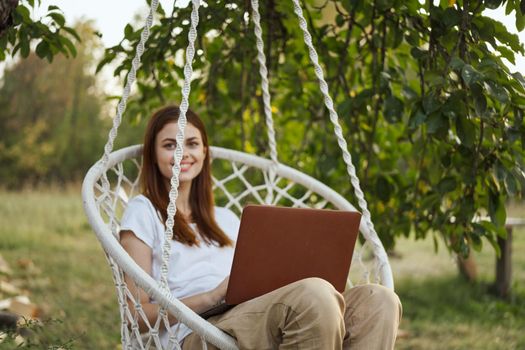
point(393, 109)
point(466, 131)
point(477, 243)
point(522, 7)
point(470, 75)
point(339, 20)
point(493, 242)
point(493, 4)
point(411, 6)
point(15, 49)
point(503, 35)
point(107, 58)
point(501, 172)
point(446, 160)
point(72, 32)
point(497, 91)
point(397, 37)
point(345, 108)
point(456, 63)
point(431, 103)
point(58, 18)
point(128, 31)
point(430, 200)
point(511, 184)
point(417, 118)
point(69, 45)
point(409, 93)
point(24, 13)
point(520, 21)
point(434, 78)
point(383, 188)
point(496, 209)
point(486, 28)
point(349, 5)
point(383, 5)
point(435, 122)
point(412, 37)
point(419, 54)
point(480, 102)
point(451, 17)
point(3, 43)
point(488, 63)
point(455, 105)
point(507, 53)
point(363, 97)
point(384, 79)
point(448, 184)
point(24, 46)
point(519, 77)
point(11, 34)
point(509, 7)
point(42, 49)
point(501, 232)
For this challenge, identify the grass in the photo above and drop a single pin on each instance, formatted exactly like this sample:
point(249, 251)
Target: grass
point(442, 311)
point(55, 257)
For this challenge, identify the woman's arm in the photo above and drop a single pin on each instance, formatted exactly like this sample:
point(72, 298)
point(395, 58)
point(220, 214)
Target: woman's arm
point(142, 254)
point(204, 301)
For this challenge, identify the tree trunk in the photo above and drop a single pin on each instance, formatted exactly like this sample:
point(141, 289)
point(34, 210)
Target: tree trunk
point(6, 10)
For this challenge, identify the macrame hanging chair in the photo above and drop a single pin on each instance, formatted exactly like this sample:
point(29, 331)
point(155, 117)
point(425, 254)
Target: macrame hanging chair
point(238, 178)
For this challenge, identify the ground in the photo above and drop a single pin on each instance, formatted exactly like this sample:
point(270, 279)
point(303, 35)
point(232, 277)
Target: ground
point(55, 257)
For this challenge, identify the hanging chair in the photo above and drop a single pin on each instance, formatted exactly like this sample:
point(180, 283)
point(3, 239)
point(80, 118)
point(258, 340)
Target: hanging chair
point(238, 179)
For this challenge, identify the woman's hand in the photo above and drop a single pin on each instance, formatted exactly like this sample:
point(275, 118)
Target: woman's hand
point(219, 293)
point(204, 301)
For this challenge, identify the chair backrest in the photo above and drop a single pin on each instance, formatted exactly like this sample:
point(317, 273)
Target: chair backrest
point(239, 179)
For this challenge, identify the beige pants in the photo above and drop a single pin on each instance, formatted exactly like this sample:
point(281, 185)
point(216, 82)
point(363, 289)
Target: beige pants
point(311, 314)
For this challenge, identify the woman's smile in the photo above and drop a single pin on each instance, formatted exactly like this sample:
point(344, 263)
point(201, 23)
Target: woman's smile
point(185, 166)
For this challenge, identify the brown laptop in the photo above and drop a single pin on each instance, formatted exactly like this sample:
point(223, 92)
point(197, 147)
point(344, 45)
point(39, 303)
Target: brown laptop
point(277, 246)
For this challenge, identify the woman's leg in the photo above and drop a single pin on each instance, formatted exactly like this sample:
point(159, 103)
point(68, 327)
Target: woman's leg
point(307, 314)
point(372, 317)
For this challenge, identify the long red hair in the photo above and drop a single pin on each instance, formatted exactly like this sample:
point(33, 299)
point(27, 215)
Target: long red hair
point(201, 195)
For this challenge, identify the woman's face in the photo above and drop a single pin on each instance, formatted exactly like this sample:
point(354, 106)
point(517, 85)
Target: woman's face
point(192, 159)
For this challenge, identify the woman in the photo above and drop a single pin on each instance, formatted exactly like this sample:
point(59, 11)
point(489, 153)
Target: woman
point(308, 314)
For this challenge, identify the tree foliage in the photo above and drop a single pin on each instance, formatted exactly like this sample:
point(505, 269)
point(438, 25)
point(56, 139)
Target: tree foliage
point(50, 35)
point(50, 125)
point(433, 116)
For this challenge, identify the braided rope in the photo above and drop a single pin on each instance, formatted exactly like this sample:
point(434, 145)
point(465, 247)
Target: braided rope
point(263, 71)
point(130, 79)
point(334, 118)
point(174, 192)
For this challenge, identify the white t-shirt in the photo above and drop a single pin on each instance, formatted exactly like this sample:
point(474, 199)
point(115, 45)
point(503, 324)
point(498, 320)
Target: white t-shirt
point(191, 270)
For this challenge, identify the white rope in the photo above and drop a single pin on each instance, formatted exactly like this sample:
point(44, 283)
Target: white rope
point(130, 79)
point(382, 258)
point(263, 71)
point(174, 192)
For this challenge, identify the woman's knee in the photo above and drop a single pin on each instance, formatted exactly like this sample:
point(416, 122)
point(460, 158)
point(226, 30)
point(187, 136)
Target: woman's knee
point(388, 300)
point(318, 296)
point(377, 300)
